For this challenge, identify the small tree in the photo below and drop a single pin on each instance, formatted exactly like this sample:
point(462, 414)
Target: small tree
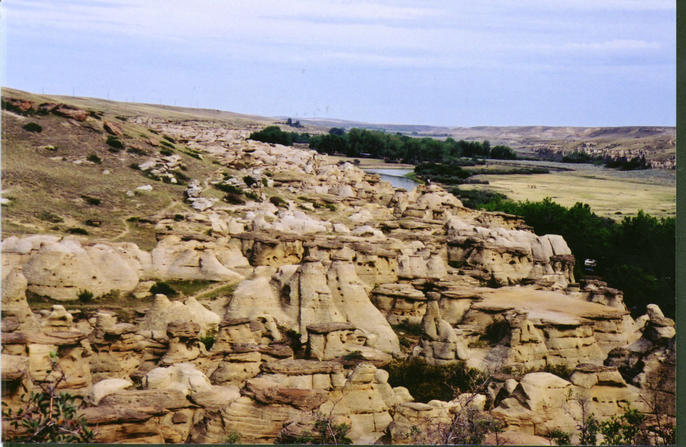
point(49, 416)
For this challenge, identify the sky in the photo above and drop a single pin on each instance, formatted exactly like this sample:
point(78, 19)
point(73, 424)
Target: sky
point(449, 63)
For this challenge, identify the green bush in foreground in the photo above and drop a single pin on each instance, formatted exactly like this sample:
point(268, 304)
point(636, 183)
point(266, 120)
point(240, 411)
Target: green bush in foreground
point(32, 127)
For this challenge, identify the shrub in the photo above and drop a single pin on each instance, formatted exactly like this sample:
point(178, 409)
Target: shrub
point(325, 432)
point(208, 340)
point(232, 437)
point(85, 296)
point(234, 199)
point(180, 175)
point(50, 217)
point(265, 182)
point(168, 138)
point(231, 189)
point(136, 150)
point(48, 416)
point(166, 152)
point(560, 437)
point(249, 180)
point(252, 196)
point(114, 142)
point(91, 200)
point(77, 230)
point(179, 217)
point(93, 158)
point(167, 144)
point(278, 201)
point(427, 382)
point(32, 127)
point(163, 288)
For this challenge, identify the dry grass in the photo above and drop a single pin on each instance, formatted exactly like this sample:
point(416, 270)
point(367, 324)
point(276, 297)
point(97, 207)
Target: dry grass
point(609, 196)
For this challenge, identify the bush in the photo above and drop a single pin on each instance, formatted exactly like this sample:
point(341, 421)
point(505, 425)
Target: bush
point(427, 382)
point(32, 127)
point(278, 201)
point(560, 437)
point(163, 288)
point(166, 152)
point(265, 182)
point(77, 230)
point(496, 331)
point(208, 339)
point(233, 437)
point(179, 217)
point(50, 217)
point(114, 142)
point(135, 150)
point(249, 180)
point(85, 296)
point(233, 199)
point(93, 158)
point(231, 189)
point(91, 200)
point(252, 196)
point(48, 416)
point(325, 432)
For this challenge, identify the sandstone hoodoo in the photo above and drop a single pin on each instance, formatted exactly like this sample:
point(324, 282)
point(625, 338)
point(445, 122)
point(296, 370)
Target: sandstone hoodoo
point(270, 293)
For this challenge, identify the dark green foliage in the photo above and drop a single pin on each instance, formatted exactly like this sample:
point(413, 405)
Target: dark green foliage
point(50, 217)
point(635, 255)
point(168, 138)
point(179, 217)
point(377, 144)
point(588, 431)
point(265, 182)
point(180, 176)
point(48, 416)
point(503, 153)
point(93, 158)
point(475, 198)
point(134, 166)
point(91, 200)
point(163, 288)
point(231, 189)
point(233, 437)
point(233, 199)
point(443, 173)
point(426, 382)
point(114, 142)
point(252, 196)
point(85, 296)
point(135, 150)
point(274, 134)
point(208, 339)
point(32, 127)
point(190, 286)
point(166, 152)
point(560, 437)
point(278, 201)
point(249, 180)
point(77, 230)
point(626, 429)
point(579, 157)
point(469, 427)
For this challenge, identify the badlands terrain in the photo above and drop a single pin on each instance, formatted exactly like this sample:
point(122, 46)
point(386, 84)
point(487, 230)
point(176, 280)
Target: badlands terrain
point(195, 286)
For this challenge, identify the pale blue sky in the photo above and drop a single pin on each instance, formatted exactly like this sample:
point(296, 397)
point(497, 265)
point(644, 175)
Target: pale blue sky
point(457, 63)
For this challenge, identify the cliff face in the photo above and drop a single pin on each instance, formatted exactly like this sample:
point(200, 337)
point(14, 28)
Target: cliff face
point(306, 276)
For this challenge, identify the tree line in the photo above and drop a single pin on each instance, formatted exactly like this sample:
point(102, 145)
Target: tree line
point(365, 143)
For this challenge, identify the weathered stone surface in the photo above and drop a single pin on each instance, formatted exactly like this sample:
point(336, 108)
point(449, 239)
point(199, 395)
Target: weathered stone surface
point(299, 367)
point(268, 392)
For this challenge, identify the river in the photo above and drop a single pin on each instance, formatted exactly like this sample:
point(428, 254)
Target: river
point(396, 177)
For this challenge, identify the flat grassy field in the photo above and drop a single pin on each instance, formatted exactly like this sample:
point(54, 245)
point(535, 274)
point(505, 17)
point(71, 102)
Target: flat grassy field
point(605, 191)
